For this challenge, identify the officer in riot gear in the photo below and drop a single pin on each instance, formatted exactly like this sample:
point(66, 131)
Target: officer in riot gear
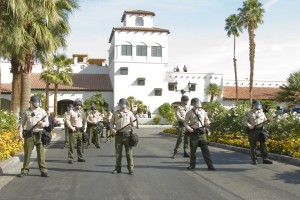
point(196, 120)
point(119, 121)
point(181, 131)
point(31, 127)
point(77, 125)
point(253, 121)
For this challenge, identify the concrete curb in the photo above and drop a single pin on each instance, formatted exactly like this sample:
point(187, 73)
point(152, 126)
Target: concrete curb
point(272, 156)
point(9, 164)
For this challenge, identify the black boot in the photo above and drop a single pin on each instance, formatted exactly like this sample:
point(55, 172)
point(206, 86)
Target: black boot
point(174, 155)
point(186, 155)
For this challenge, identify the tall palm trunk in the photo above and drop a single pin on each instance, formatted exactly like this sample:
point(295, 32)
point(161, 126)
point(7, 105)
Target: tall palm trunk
point(0, 84)
point(26, 82)
point(235, 73)
point(55, 99)
point(47, 95)
point(251, 57)
point(212, 96)
point(16, 65)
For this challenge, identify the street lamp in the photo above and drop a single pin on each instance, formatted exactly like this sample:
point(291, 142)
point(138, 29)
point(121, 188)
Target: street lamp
point(183, 91)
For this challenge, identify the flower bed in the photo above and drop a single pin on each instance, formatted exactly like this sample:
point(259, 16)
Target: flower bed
point(9, 146)
point(288, 147)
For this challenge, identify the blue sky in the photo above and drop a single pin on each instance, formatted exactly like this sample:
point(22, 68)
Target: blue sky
point(198, 39)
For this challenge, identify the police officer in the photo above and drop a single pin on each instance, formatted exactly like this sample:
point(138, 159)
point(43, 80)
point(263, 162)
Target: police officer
point(32, 122)
point(67, 115)
point(180, 115)
point(102, 114)
point(195, 122)
point(252, 119)
point(93, 119)
point(107, 122)
point(120, 119)
point(77, 125)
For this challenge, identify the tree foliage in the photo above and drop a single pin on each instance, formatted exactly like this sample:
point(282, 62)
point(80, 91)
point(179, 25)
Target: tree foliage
point(167, 112)
point(290, 93)
point(213, 90)
point(96, 100)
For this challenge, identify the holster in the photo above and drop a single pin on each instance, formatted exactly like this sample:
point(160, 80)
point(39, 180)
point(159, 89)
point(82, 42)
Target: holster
point(198, 131)
point(27, 133)
point(180, 124)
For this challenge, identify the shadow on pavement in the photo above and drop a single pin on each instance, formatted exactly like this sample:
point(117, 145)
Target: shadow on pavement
point(289, 177)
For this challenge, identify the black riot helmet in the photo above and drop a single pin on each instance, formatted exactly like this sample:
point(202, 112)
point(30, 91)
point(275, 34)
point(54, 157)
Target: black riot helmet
point(122, 101)
point(93, 107)
point(77, 102)
point(35, 99)
point(256, 105)
point(184, 98)
point(196, 103)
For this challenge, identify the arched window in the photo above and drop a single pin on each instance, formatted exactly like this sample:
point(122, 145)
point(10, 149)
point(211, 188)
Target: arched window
point(139, 21)
point(141, 50)
point(126, 50)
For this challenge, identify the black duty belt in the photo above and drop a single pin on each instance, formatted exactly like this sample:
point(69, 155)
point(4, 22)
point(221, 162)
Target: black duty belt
point(125, 133)
point(28, 133)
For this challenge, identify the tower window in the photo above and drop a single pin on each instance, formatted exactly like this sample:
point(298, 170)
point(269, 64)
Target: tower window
point(141, 50)
point(126, 50)
point(124, 70)
point(172, 86)
point(193, 87)
point(156, 51)
point(157, 91)
point(141, 81)
point(139, 21)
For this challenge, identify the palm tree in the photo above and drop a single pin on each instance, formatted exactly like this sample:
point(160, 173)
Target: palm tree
point(48, 27)
point(213, 90)
point(251, 15)
point(290, 93)
point(47, 76)
point(10, 11)
point(61, 75)
point(131, 102)
point(233, 27)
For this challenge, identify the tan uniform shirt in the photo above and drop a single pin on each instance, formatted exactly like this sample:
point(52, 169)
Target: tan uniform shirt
point(93, 118)
point(181, 112)
point(192, 121)
point(31, 117)
point(254, 117)
point(77, 119)
point(66, 116)
point(120, 119)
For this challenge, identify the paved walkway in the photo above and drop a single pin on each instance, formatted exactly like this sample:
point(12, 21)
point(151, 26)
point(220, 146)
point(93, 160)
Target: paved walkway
point(157, 176)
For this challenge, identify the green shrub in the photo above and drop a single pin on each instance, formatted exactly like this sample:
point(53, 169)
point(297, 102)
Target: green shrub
point(8, 121)
point(156, 119)
point(167, 112)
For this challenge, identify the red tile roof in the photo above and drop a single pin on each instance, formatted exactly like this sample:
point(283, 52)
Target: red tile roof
point(127, 28)
point(81, 82)
point(138, 12)
point(6, 88)
point(263, 93)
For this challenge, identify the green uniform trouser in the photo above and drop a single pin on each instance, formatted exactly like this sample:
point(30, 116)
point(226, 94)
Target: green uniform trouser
point(182, 135)
point(120, 140)
point(201, 139)
point(75, 138)
point(253, 139)
point(29, 143)
point(108, 133)
point(93, 135)
point(66, 134)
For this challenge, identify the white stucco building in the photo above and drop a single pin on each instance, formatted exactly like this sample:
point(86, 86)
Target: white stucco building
point(138, 67)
